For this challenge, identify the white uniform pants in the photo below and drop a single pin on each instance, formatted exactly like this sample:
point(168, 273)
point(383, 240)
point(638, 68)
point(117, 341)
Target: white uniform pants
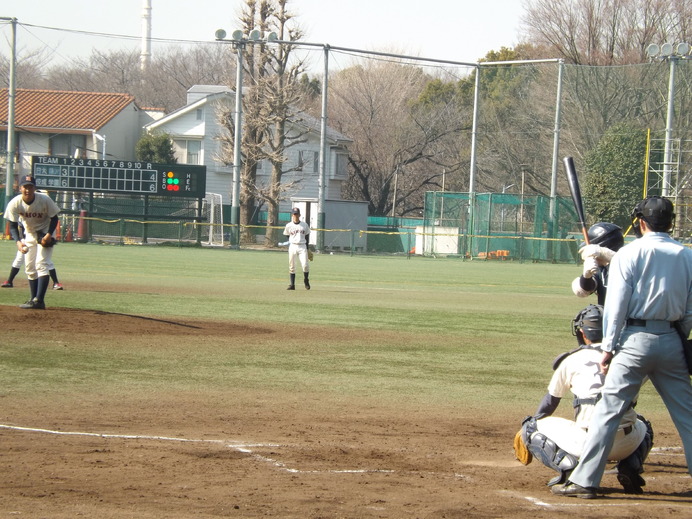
point(569, 436)
point(300, 251)
point(38, 260)
point(19, 261)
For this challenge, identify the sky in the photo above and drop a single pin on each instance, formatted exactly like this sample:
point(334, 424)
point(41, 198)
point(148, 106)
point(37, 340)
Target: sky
point(454, 30)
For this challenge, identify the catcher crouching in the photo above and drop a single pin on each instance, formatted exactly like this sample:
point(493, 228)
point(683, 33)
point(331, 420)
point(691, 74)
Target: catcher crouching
point(558, 442)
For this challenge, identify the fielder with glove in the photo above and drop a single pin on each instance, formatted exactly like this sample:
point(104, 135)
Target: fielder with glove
point(298, 238)
point(605, 239)
point(558, 442)
point(39, 216)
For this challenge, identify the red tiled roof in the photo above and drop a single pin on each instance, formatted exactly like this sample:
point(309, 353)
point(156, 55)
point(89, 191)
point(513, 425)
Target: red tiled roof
point(52, 110)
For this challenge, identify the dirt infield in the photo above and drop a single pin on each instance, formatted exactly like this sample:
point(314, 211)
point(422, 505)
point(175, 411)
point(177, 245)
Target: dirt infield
point(273, 454)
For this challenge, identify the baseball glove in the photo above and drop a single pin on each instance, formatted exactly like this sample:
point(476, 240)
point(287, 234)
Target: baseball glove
point(520, 451)
point(311, 255)
point(45, 240)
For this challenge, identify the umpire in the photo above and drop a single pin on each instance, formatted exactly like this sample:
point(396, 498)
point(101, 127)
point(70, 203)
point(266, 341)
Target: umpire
point(650, 287)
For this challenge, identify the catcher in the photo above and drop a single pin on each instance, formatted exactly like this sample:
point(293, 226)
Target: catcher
point(39, 215)
point(558, 442)
point(605, 239)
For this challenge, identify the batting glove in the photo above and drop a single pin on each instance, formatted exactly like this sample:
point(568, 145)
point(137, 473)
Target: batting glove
point(602, 254)
point(590, 268)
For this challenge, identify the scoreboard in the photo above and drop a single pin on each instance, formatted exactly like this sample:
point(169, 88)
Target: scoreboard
point(119, 176)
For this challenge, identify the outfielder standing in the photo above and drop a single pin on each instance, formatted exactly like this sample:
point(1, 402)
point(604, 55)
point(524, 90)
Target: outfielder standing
point(39, 215)
point(650, 289)
point(298, 238)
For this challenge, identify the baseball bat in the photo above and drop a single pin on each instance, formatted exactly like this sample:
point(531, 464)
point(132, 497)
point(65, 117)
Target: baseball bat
point(575, 191)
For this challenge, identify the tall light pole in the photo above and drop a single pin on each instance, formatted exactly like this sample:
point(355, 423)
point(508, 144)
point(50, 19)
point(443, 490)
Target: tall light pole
point(322, 188)
point(11, 92)
point(666, 52)
point(238, 40)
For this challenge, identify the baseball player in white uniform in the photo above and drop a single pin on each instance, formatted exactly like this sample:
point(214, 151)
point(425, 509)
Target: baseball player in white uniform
point(39, 216)
point(18, 263)
point(298, 238)
point(558, 442)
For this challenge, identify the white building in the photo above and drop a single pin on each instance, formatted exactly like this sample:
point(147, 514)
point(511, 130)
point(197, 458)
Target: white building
point(195, 131)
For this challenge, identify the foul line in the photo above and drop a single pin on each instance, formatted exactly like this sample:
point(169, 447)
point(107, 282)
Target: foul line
point(238, 446)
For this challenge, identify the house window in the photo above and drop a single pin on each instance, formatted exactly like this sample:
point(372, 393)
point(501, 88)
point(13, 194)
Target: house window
point(200, 114)
point(308, 160)
point(341, 165)
point(65, 145)
point(188, 152)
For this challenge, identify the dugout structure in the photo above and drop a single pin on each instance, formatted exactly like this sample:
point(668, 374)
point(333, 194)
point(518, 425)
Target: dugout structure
point(500, 226)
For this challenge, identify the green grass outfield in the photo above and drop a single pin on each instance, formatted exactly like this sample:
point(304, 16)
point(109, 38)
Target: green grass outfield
point(419, 330)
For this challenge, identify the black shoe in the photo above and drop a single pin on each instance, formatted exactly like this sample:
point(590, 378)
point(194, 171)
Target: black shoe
point(631, 482)
point(33, 304)
point(7, 284)
point(570, 489)
point(307, 285)
point(291, 287)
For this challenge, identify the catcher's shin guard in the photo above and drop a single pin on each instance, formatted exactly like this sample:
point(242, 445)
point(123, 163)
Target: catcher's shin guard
point(546, 450)
point(630, 468)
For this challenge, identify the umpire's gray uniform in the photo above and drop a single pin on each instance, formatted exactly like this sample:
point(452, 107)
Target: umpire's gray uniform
point(650, 286)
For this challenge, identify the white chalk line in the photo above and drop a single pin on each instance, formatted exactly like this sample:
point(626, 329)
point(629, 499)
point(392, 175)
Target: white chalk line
point(242, 447)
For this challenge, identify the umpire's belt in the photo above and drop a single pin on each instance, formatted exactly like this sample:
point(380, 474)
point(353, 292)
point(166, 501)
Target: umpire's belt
point(651, 325)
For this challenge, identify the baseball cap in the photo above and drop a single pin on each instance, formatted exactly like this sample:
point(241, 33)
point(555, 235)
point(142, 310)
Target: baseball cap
point(26, 180)
point(295, 211)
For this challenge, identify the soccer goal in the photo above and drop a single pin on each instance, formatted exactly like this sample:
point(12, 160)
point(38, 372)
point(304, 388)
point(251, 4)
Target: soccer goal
point(212, 212)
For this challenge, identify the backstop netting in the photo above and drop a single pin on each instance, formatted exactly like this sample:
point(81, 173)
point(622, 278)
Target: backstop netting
point(499, 226)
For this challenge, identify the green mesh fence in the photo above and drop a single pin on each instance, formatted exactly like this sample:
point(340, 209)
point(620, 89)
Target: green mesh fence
point(499, 226)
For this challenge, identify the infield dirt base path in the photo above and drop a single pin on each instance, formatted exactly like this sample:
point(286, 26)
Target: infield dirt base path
point(260, 454)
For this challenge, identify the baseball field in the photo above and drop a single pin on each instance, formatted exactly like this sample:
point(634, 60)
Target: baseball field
point(183, 382)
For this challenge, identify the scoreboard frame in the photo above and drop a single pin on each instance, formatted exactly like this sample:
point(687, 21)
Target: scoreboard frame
point(119, 176)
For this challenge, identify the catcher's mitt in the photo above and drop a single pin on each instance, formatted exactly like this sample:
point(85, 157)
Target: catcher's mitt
point(520, 451)
point(45, 240)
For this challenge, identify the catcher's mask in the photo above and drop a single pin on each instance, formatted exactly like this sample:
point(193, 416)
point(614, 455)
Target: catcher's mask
point(657, 212)
point(606, 235)
point(590, 322)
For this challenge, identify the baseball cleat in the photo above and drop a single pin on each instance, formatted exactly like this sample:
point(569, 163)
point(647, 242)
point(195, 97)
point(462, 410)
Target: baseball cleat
point(57, 286)
point(33, 304)
point(307, 285)
point(7, 284)
point(631, 482)
point(570, 489)
point(291, 287)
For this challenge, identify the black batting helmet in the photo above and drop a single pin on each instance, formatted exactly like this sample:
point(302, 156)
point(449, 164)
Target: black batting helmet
point(657, 212)
point(606, 235)
point(590, 322)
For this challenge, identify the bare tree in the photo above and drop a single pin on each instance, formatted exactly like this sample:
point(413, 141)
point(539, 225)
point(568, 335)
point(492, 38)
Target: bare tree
point(273, 92)
point(604, 32)
point(397, 137)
